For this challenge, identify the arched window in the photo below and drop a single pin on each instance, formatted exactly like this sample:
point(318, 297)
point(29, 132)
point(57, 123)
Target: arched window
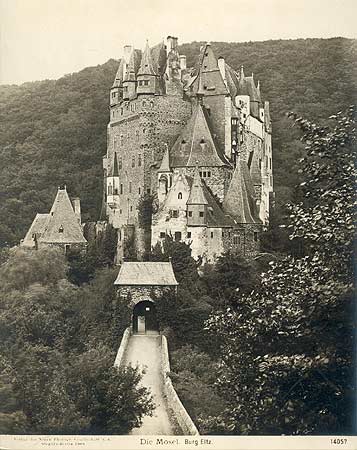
point(144, 103)
point(179, 196)
point(151, 104)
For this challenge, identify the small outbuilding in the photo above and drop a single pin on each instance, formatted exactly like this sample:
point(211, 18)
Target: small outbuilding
point(140, 282)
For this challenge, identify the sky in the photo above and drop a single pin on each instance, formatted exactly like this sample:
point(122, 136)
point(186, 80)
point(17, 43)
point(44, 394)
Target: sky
point(46, 39)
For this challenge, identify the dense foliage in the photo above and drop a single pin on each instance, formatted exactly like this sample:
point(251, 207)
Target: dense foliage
point(57, 348)
point(54, 132)
point(288, 347)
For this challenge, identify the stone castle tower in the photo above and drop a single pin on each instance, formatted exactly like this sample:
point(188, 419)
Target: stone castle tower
point(198, 142)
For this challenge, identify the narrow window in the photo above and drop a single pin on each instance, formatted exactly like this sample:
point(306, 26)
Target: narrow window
point(222, 233)
point(148, 191)
point(144, 103)
point(204, 174)
point(120, 211)
point(110, 190)
point(201, 213)
point(129, 187)
point(179, 196)
point(211, 234)
point(162, 234)
point(120, 163)
point(177, 236)
point(255, 236)
point(139, 160)
point(201, 174)
point(139, 190)
point(121, 188)
point(189, 234)
point(131, 208)
point(115, 191)
point(151, 104)
point(174, 213)
point(190, 214)
point(133, 161)
point(209, 174)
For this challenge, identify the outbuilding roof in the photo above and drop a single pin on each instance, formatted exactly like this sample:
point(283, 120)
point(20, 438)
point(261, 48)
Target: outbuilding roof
point(146, 274)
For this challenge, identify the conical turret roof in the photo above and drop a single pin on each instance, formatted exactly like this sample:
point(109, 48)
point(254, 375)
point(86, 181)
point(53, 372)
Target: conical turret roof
point(165, 162)
point(146, 66)
point(197, 196)
point(240, 199)
point(119, 75)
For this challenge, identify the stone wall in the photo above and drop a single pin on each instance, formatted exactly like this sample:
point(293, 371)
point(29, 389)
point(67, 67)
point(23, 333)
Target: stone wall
point(123, 347)
point(137, 294)
point(173, 402)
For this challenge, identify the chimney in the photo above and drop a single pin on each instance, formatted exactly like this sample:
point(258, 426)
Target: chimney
point(171, 43)
point(183, 65)
point(127, 53)
point(76, 202)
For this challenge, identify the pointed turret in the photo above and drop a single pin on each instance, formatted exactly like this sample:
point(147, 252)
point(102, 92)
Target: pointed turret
point(197, 196)
point(240, 199)
point(146, 66)
point(129, 81)
point(115, 168)
point(147, 79)
point(165, 162)
point(197, 203)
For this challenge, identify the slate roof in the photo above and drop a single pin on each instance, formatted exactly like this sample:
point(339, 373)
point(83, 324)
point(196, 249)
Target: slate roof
point(197, 196)
point(146, 65)
point(37, 227)
point(216, 217)
point(165, 162)
point(119, 75)
point(133, 65)
point(240, 199)
point(146, 274)
point(62, 216)
point(195, 145)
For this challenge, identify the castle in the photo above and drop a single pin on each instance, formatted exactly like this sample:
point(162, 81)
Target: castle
point(196, 143)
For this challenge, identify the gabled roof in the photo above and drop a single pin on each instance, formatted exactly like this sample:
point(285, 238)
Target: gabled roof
point(195, 145)
point(62, 217)
point(146, 274)
point(240, 199)
point(36, 229)
point(146, 65)
point(197, 196)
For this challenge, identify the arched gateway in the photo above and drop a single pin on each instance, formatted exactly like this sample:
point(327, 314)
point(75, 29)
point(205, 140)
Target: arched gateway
point(140, 282)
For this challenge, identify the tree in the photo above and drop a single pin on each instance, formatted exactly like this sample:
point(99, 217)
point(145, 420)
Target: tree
point(287, 356)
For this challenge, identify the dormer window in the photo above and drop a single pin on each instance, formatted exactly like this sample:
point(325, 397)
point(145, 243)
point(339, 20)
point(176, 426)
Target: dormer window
point(60, 229)
point(179, 196)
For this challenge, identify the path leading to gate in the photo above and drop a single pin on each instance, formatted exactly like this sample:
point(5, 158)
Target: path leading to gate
point(145, 351)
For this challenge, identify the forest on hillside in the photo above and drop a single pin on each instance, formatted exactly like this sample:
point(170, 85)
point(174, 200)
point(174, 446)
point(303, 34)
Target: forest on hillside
point(54, 131)
point(263, 346)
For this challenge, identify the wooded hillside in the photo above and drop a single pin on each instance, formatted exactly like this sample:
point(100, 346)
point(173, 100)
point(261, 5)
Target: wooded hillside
point(54, 132)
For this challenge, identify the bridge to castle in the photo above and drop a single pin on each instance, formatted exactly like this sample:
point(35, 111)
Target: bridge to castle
point(144, 350)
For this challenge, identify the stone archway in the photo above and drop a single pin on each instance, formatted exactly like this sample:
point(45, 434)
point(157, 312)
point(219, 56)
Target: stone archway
point(144, 319)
